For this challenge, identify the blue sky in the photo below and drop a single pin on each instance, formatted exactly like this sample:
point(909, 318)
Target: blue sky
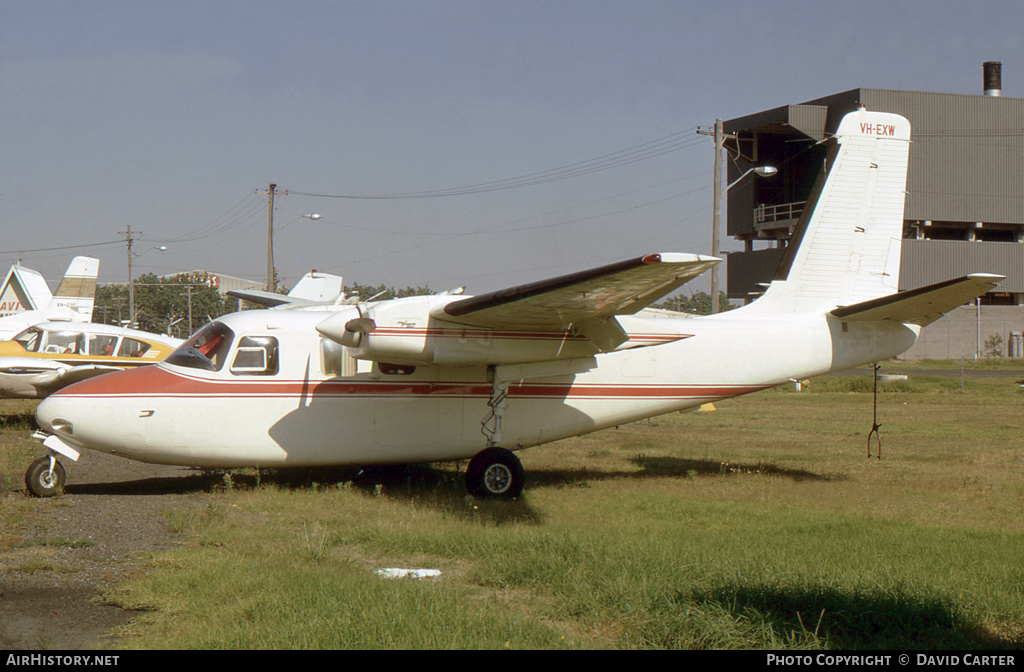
point(169, 116)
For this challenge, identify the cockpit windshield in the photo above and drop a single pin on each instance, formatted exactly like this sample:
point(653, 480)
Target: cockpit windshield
point(30, 339)
point(206, 350)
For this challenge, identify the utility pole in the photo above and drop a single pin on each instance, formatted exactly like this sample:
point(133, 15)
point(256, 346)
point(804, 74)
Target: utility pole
point(188, 293)
point(716, 213)
point(271, 192)
point(129, 237)
point(716, 216)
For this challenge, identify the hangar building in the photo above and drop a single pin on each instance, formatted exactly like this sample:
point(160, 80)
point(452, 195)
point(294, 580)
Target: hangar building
point(964, 209)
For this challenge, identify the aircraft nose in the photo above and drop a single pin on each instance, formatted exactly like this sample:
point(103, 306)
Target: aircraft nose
point(83, 422)
point(54, 415)
point(103, 413)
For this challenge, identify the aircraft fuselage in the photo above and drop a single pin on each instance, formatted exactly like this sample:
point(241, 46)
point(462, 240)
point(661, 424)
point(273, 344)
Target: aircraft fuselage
point(310, 412)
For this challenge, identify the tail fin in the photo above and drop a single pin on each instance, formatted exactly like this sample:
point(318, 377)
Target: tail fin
point(846, 247)
point(312, 288)
point(318, 287)
point(77, 291)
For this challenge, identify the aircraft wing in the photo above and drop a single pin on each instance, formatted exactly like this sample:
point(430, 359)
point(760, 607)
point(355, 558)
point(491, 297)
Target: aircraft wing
point(25, 377)
point(923, 305)
point(77, 373)
point(582, 298)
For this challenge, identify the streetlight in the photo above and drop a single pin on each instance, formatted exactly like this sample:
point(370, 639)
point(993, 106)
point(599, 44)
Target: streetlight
point(760, 171)
point(314, 217)
point(271, 271)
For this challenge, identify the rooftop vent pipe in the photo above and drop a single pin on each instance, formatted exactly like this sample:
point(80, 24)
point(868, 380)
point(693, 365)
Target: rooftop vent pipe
point(993, 78)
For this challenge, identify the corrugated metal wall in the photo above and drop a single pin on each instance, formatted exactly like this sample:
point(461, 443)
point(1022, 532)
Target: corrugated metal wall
point(966, 155)
point(924, 262)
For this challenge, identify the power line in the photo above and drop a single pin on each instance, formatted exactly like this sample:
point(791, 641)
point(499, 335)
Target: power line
point(228, 220)
point(64, 247)
point(492, 230)
point(648, 150)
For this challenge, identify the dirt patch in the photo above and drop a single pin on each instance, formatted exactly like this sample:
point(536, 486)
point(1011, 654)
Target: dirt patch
point(69, 548)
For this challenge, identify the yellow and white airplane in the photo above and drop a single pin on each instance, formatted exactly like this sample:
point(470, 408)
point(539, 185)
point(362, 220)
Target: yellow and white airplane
point(72, 302)
point(48, 356)
point(449, 377)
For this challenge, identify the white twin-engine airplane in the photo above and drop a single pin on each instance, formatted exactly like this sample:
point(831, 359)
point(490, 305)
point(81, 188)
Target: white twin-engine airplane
point(449, 377)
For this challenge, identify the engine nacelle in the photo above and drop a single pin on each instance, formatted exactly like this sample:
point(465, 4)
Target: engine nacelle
point(403, 331)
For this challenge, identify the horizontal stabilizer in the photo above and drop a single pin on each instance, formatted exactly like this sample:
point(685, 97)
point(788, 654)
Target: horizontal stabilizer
point(921, 306)
point(623, 288)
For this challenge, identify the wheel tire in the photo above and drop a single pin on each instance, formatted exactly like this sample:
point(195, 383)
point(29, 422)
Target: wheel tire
point(495, 473)
point(41, 482)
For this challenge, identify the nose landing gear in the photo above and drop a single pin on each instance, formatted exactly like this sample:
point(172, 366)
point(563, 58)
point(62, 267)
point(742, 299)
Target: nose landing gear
point(45, 477)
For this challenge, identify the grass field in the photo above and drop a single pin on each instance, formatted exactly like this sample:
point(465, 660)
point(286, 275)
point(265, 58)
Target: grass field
point(762, 524)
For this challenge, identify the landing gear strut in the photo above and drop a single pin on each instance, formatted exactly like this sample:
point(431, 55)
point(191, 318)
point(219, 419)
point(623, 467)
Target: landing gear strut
point(45, 477)
point(495, 473)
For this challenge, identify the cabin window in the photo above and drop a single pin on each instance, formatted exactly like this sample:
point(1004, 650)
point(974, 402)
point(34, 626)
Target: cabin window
point(396, 369)
point(131, 347)
point(65, 343)
point(337, 360)
point(255, 356)
point(206, 350)
point(102, 345)
point(331, 356)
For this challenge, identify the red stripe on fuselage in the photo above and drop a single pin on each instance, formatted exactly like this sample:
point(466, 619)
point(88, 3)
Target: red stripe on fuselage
point(153, 381)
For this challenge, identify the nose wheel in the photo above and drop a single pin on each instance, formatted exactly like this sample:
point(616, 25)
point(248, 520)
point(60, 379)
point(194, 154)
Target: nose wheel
point(495, 473)
point(45, 477)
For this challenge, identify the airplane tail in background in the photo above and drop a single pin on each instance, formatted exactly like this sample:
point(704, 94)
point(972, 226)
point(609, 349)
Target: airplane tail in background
point(23, 289)
point(312, 288)
point(318, 287)
point(77, 291)
point(846, 247)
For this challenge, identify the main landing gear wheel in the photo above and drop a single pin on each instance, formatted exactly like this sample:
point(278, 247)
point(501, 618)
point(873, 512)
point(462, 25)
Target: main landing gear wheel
point(495, 473)
point(44, 480)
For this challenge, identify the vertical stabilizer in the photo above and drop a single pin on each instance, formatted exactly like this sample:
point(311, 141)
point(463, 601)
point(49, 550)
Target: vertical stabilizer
point(846, 247)
point(77, 291)
point(317, 287)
